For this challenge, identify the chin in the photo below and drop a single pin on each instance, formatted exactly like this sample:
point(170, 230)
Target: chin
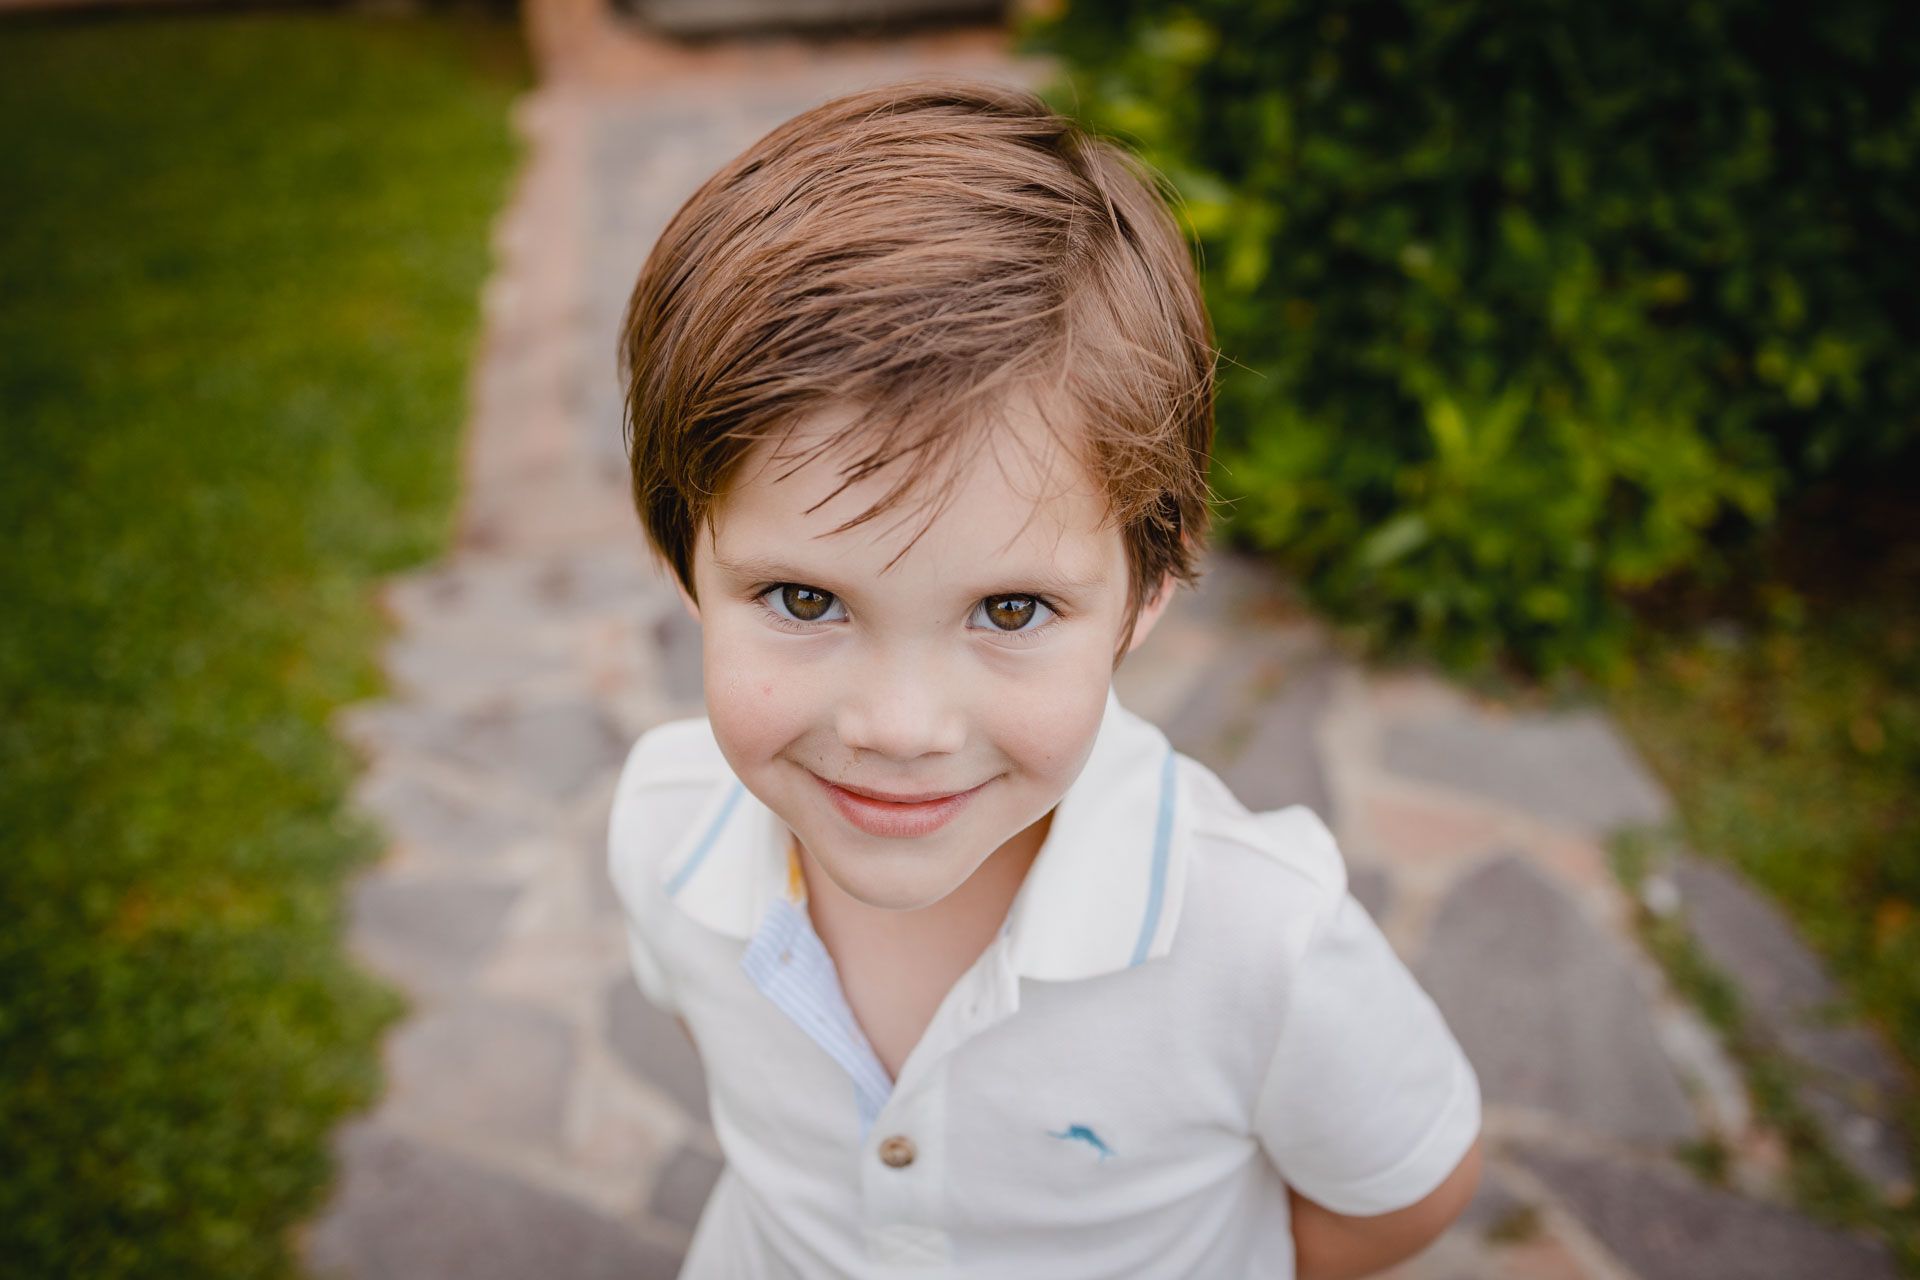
point(900, 879)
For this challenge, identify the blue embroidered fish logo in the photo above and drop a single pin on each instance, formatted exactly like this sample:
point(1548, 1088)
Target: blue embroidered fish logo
point(1080, 1133)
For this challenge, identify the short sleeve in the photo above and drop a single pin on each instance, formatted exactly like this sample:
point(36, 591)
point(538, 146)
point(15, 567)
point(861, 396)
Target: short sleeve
point(1368, 1102)
point(628, 863)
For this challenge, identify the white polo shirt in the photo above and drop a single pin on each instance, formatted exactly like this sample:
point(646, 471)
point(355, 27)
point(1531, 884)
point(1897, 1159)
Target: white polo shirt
point(1184, 1012)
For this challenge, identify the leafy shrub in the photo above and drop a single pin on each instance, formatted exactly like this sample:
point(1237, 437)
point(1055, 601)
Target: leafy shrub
point(1525, 308)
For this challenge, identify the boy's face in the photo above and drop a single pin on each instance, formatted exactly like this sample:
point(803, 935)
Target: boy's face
point(979, 663)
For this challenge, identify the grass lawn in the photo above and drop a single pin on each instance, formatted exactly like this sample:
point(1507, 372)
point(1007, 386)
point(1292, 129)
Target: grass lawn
point(240, 263)
point(1793, 751)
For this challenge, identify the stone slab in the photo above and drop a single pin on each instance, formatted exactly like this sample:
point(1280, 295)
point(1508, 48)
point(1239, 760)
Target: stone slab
point(558, 748)
point(1852, 1083)
point(1546, 1007)
point(483, 1067)
point(406, 1209)
point(1216, 722)
point(1279, 763)
point(684, 1185)
point(430, 818)
point(677, 639)
point(429, 934)
point(1373, 886)
point(652, 1045)
point(1571, 768)
point(1667, 1227)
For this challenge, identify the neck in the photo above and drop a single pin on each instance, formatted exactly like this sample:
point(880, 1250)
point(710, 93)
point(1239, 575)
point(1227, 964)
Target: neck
point(980, 902)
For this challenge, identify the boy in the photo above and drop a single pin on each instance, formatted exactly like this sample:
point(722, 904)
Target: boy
point(987, 979)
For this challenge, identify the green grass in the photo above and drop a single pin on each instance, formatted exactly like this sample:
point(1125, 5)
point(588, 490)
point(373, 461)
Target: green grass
point(240, 260)
point(1792, 748)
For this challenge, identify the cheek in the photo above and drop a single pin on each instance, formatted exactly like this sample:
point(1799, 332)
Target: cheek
point(757, 704)
point(1048, 729)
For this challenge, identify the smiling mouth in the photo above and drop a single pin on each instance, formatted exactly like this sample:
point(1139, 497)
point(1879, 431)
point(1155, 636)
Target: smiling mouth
point(890, 797)
point(880, 815)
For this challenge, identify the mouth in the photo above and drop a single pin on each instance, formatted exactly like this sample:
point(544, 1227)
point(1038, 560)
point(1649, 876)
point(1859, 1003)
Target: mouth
point(896, 815)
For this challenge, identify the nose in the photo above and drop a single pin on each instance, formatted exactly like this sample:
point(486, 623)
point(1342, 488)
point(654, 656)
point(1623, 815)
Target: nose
point(900, 709)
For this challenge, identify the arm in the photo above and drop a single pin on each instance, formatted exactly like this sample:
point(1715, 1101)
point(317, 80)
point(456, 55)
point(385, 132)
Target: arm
point(1333, 1246)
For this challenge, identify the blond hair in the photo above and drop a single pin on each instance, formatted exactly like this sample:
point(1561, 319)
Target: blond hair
point(923, 251)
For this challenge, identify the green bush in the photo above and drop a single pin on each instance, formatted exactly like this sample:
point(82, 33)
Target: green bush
point(1527, 308)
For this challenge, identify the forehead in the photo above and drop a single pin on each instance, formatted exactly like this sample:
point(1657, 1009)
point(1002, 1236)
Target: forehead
point(1015, 494)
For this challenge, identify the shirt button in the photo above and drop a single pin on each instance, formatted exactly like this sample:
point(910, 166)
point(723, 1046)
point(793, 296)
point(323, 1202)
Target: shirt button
point(897, 1152)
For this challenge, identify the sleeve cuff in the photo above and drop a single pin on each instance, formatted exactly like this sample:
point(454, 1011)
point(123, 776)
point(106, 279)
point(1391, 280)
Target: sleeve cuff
point(1438, 1154)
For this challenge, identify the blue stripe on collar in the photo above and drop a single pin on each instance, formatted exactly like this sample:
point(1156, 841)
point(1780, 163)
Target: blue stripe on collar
point(1162, 837)
point(701, 850)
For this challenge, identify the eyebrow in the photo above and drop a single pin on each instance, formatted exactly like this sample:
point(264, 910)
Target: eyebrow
point(1048, 580)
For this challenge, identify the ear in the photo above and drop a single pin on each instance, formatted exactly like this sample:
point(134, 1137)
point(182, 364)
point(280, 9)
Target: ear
point(1151, 611)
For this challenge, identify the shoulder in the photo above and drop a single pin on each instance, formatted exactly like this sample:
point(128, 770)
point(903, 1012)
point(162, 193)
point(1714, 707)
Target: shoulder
point(1290, 849)
point(669, 773)
point(676, 753)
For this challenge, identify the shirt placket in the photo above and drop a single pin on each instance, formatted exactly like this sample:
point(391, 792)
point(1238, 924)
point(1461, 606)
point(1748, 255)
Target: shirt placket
point(905, 1157)
point(904, 1124)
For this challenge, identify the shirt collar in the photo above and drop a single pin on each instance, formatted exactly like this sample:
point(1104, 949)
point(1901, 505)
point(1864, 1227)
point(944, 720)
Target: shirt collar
point(1103, 894)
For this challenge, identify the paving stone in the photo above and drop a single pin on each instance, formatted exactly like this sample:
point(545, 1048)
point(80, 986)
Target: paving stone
point(1493, 1206)
point(595, 582)
point(678, 639)
point(1216, 722)
point(1280, 762)
point(1545, 1005)
point(461, 664)
point(412, 1211)
point(684, 1185)
point(1373, 886)
point(430, 934)
point(651, 1044)
point(1238, 585)
point(1571, 767)
point(1853, 1085)
point(485, 1066)
point(602, 898)
point(1666, 1227)
point(420, 813)
point(558, 747)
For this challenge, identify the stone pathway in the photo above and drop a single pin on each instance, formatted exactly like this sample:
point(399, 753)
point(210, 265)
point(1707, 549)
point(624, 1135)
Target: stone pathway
point(542, 1120)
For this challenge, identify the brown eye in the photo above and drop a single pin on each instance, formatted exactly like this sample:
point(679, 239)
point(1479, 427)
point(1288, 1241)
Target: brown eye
point(1011, 613)
point(804, 603)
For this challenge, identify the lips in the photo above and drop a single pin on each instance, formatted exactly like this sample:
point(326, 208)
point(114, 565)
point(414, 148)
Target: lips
point(873, 813)
point(890, 797)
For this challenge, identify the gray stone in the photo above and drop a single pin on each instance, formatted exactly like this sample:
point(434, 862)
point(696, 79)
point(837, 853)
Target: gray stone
point(678, 639)
point(559, 747)
point(1218, 720)
point(486, 1067)
point(684, 1185)
point(1494, 1205)
point(1546, 1007)
point(1570, 767)
point(430, 935)
point(1238, 587)
point(1851, 1083)
point(602, 898)
point(460, 664)
point(653, 1046)
point(1666, 1227)
point(1280, 763)
point(419, 813)
point(603, 582)
point(407, 1210)
point(1373, 886)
